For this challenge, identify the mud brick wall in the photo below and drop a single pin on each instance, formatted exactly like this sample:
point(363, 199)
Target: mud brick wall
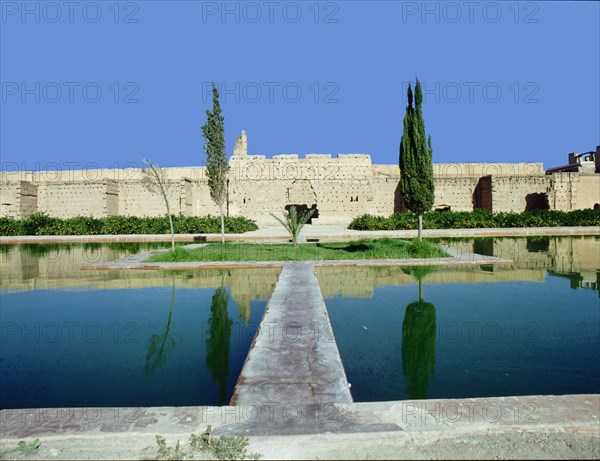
point(18, 199)
point(68, 199)
point(519, 193)
point(587, 191)
point(342, 187)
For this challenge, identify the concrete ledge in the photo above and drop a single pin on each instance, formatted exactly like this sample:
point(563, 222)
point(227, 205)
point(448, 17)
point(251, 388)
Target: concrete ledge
point(321, 232)
point(128, 238)
point(501, 427)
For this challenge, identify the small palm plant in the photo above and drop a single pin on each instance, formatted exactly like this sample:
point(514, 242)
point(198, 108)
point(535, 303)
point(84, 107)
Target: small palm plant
point(294, 222)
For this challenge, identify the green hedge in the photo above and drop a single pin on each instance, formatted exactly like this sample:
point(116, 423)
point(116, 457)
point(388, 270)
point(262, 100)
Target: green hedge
point(42, 224)
point(478, 219)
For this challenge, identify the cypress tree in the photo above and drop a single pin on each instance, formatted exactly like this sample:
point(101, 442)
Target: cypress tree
point(416, 167)
point(216, 159)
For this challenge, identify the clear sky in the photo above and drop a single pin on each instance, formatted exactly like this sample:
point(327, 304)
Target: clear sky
point(103, 83)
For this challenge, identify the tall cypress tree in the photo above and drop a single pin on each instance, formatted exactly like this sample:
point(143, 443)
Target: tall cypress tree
point(216, 159)
point(416, 167)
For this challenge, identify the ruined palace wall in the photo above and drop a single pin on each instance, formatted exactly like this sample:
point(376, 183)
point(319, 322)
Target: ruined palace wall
point(334, 198)
point(563, 191)
point(135, 200)
point(339, 186)
point(315, 167)
point(10, 202)
point(67, 199)
point(459, 185)
point(342, 187)
point(124, 174)
point(517, 194)
point(561, 195)
point(588, 191)
point(471, 169)
point(386, 196)
point(18, 199)
point(456, 191)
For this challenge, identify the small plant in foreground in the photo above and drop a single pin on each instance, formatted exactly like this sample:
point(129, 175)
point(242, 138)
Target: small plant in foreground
point(28, 448)
point(167, 452)
point(223, 447)
point(294, 222)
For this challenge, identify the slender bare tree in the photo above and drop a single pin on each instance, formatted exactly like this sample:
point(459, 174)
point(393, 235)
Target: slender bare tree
point(154, 179)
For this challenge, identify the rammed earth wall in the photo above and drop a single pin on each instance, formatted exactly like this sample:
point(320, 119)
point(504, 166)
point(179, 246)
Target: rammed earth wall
point(341, 188)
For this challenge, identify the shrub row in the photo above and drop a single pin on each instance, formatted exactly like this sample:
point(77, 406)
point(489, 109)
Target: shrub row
point(478, 219)
point(42, 224)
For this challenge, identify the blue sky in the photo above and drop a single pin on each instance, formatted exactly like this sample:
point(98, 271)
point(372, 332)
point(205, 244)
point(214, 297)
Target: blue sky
point(87, 84)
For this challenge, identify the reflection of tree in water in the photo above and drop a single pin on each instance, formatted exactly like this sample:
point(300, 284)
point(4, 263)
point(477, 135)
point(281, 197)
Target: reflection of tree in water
point(219, 334)
point(418, 341)
point(161, 345)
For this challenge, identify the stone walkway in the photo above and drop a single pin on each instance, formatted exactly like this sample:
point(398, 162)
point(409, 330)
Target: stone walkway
point(294, 356)
point(293, 372)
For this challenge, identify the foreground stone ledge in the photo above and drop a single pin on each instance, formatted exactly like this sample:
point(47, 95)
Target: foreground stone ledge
point(574, 412)
point(500, 427)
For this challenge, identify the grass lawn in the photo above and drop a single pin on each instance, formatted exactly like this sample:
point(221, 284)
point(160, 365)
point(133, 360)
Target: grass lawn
point(385, 248)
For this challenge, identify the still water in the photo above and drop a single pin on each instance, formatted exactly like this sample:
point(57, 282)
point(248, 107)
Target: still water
point(72, 338)
point(528, 327)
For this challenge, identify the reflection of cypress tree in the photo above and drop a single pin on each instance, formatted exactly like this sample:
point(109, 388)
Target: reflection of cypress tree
point(418, 346)
point(217, 355)
point(160, 345)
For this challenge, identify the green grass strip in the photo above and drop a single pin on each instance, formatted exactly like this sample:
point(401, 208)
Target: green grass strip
point(385, 248)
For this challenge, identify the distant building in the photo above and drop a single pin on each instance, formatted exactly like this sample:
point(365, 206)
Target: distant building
point(587, 162)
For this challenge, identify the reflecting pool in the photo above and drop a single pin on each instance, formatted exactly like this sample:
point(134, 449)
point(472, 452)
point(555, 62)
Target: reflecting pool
point(72, 338)
point(528, 327)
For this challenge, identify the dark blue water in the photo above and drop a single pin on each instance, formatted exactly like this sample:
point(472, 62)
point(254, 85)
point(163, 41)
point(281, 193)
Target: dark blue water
point(470, 340)
point(123, 347)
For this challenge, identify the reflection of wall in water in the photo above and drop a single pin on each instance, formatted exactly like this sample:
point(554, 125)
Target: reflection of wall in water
point(20, 270)
point(58, 269)
point(585, 280)
point(559, 255)
point(359, 282)
point(532, 258)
